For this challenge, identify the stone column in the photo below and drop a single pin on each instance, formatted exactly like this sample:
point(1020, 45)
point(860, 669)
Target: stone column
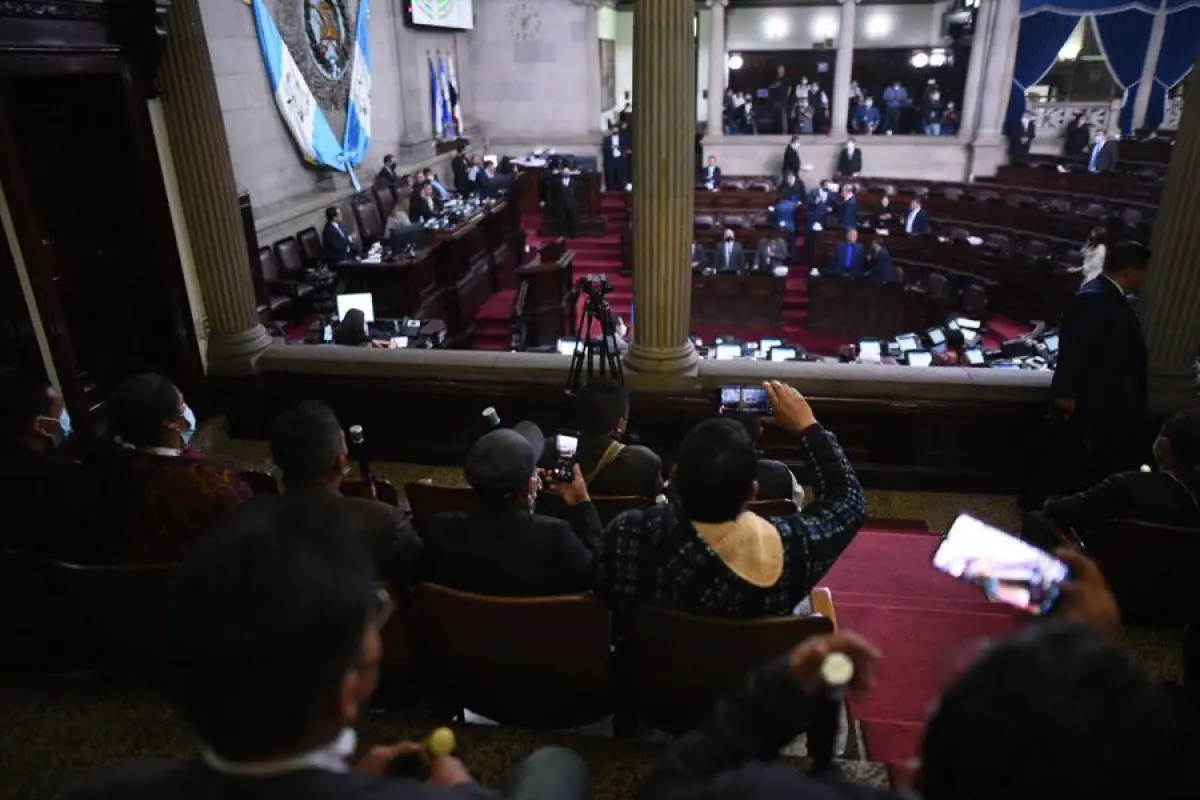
point(200, 150)
point(717, 59)
point(842, 69)
point(1170, 298)
point(1141, 99)
point(980, 44)
point(664, 83)
point(998, 71)
point(592, 57)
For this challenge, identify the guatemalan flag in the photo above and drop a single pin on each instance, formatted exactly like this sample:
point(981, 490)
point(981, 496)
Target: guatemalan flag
point(447, 105)
point(358, 114)
point(435, 85)
point(455, 106)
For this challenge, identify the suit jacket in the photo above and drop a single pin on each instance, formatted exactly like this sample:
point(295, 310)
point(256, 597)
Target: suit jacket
point(880, 266)
point(459, 167)
point(715, 178)
point(734, 264)
point(849, 163)
point(335, 244)
point(816, 209)
point(847, 213)
point(512, 552)
point(564, 195)
point(163, 780)
point(1101, 356)
point(699, 256)
point(791, 161)
point(386, 178)
point(770, 252)
point(1155, 497)
point(920, 223)
point(637, 470)
point(421, 208)
point(793, 192)
point(386, 530)
point(846, 252)
point(1106, 161)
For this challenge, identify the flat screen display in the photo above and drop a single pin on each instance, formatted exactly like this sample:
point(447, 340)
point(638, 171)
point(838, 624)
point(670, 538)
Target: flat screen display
point(920, 358)
point(726, 352)
point(566, 346)
point(908, 341)
point(363, 302)
point(974, 356)
point(936, 336)
point(783, 353)
point(868, 350)
point(1051, 341)
point(765, 345)
point(454, 14)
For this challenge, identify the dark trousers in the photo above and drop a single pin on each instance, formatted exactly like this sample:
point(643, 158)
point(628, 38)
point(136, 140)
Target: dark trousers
point(891, 117)
point(1082, 452)
point(614, 180)
point(568, 220)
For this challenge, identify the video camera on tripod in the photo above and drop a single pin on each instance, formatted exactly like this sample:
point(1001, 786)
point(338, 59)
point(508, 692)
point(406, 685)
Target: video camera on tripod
point(595, 287)
point(596, 319)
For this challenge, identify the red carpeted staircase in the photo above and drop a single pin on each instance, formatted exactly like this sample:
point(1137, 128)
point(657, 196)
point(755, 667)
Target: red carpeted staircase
point(927, 625)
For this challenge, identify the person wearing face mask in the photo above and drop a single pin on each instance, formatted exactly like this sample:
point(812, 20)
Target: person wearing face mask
point(818, 207)
point(730, 260)
point(502, 546)
point(1103, 157)
point(163, 497)
point(273, 670)
point(932, 109)
point(849, 160)
point(790, 188)
point(49, 501)
point(387, 178)
point(563, 190)
point(791, 157)
point(865, 119)
point(895, 100)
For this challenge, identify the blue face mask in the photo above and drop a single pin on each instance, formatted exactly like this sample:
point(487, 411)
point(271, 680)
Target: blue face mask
point(188, 433)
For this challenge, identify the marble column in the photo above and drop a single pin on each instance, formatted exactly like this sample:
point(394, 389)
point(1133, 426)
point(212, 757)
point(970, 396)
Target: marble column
point(200, 151)
point(1170, 299)
point(1141, 99)
point(842, 69)
point(972, 96)
point(717, 59)
point(664, 83)
point(998, 70)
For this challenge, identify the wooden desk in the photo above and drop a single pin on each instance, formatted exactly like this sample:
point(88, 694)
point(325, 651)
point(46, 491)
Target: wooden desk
point(742, 300)
point(589, 219)
point(1107, 185)
point(863, 308)
point(450, 278)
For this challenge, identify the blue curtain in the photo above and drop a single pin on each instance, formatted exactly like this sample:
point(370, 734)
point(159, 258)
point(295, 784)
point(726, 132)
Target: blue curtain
point(1124, 39)
point(1042, 36)
point(1180, 46)
point(1078, 8)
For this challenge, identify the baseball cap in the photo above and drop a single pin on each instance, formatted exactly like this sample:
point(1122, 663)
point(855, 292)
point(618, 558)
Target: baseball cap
point(504, 459)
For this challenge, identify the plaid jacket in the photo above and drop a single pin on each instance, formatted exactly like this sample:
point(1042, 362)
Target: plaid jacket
point(656, 557)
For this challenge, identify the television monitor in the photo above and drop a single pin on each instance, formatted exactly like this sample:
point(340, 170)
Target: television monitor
point(566, 345)
point(1051, 342)
point(974, 357)
point(869, 350)
point(456, 15)
point(363, 302)
point(727, 352)
point(936, 336)
point(783, 353)
point(765, 345)
point(968, 323)
point(919, 358)
point(907, 342)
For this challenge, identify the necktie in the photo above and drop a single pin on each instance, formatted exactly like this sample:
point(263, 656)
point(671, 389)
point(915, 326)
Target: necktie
point(728, 253)
point(1095, 158)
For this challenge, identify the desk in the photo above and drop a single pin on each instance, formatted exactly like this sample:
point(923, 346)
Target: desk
point(742, 300)
point(862, 308)
point(450, 278)
point(1109, 185)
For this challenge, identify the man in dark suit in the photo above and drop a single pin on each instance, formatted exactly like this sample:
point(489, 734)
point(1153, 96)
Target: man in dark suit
point(879, 262)
point(817, 208)
point(275, 650)
point(772, 252)
point(563, 187)
point(779, 91)
point(847, 209)
point(387, 178)
point(1020, 139)
point(1099, 384)
point(850, 160)
point(883, 217)
point(699, 257)
point(1103, 157)
point(847, 260)
point(422, 206)
point(503, 547)
point(609, 466)
point(791, 157)
point(916, 222)
point(729, 260)
point(791, 188)
point(710, 176)
point(459, 166)
point(613, 150)
point(308, 445)
point(337, 246)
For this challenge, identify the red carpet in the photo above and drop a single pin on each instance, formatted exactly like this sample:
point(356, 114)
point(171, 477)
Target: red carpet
point(926, 624)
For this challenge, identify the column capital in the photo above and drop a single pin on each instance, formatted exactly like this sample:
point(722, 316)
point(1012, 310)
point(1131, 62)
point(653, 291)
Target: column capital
point(715, 4)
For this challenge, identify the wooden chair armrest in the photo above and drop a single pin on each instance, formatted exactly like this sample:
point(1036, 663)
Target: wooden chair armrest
point(822, 603)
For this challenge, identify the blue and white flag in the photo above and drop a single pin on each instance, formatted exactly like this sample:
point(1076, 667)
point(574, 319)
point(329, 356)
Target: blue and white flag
point(358, 112)
point(455, 105)
point(435, 86)
point(447, 107)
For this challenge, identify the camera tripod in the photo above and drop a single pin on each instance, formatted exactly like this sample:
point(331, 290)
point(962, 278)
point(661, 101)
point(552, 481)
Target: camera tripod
point(588, 350)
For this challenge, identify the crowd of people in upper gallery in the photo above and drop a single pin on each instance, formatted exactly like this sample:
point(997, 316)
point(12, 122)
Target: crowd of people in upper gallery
point(1065, 711)
point(804, 108)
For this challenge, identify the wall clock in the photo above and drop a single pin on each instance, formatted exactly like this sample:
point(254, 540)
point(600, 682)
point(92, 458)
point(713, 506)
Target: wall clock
point(525, 22)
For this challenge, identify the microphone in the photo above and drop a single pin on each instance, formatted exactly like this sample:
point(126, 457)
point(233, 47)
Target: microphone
point(360, 452)
point(837, 670)
point(490, 419)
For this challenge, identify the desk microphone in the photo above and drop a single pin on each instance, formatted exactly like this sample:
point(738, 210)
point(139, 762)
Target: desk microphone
point(360, 452)
point(837, 670)
point(491, 419)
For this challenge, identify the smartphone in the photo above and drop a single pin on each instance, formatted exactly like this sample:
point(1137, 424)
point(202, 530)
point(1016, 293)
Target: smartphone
point(753, 399)
point(565, 445)
point(1005, 568)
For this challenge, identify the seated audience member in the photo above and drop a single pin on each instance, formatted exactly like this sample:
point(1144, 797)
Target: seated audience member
point(48, 500)
point(916, 222)
point(707, 554)
point(883, 213)
point(352, 331)
point(273, 652)
point(164, 496)
point(423, 205)
point(308, 446)
point(775, 481)
point(772, 252)
point(848, 258)
point(336, 245)
point(501, 547)
point(608, 466)
point(849, 160)
point(699, 257)
point(398, 220)
point(729, 260)
point(879, 262)
point(1169, 495)
point(951, 354)
point(1053, 711)
point(710, 176)
point(440, 192)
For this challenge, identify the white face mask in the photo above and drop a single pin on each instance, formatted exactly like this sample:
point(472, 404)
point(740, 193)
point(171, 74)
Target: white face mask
point(850, 147)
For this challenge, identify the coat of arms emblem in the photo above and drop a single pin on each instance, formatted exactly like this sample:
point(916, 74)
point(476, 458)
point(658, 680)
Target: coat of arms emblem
point(328, 31)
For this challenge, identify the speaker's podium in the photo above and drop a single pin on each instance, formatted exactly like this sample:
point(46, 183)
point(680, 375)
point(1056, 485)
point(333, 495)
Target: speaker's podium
point(589, 220)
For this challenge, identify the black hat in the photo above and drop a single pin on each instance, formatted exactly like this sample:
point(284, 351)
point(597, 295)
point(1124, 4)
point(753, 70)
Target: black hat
point(503, 460)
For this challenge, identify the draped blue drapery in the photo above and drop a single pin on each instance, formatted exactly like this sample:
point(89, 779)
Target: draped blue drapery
point(1124, 39)
point(1042, 36)
point(1180, 47)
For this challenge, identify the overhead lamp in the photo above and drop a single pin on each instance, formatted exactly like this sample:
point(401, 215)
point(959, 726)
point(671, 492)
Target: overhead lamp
point(735, 61)
point(824, 27)
point(776, 26)
point(879, 25)
point(937, 58)
point(920, 60)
